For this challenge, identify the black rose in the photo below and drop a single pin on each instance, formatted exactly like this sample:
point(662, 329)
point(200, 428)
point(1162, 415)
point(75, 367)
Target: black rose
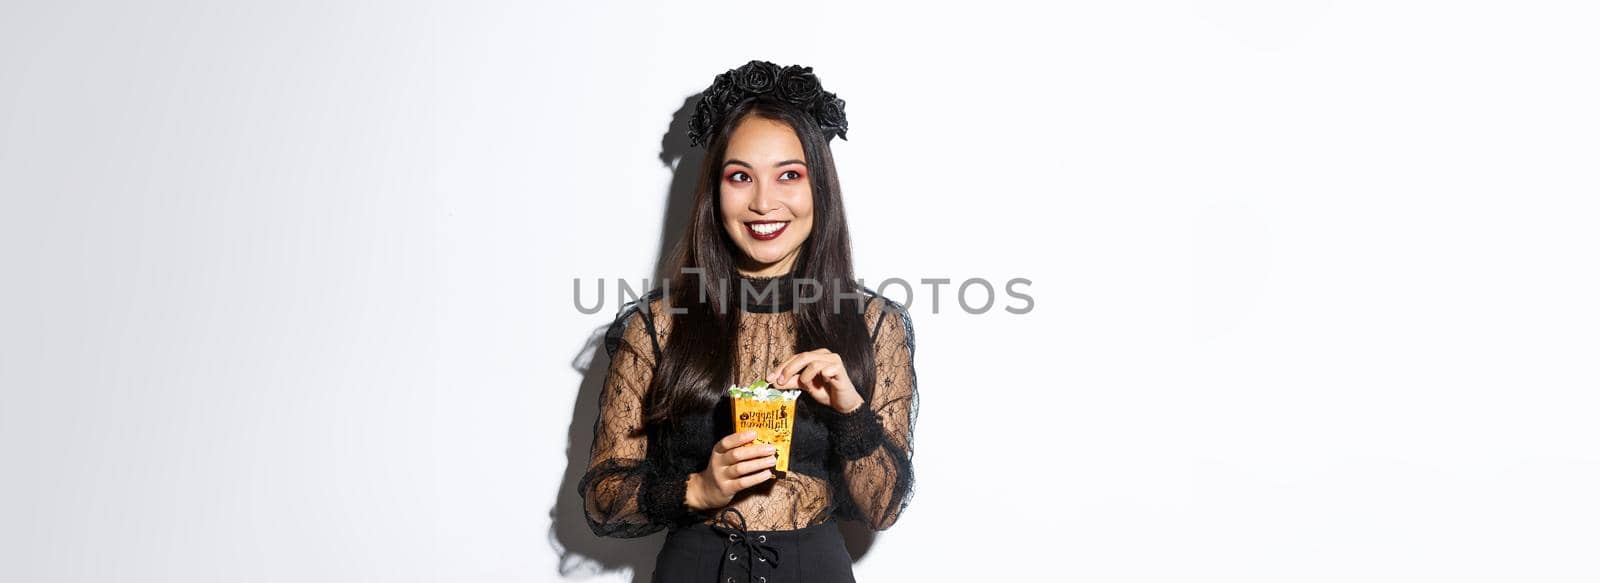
point(731, 99)
point(756, 76)
point(831, 115)
point(797, 85)
point(717, 93)
point(793, 84)
point(703, 123)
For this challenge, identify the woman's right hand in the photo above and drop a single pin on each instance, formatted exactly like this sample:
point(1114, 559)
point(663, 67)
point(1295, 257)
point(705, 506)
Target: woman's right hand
point(735, 464)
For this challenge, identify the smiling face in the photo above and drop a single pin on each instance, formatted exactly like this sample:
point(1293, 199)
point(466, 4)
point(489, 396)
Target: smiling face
point(766, 195)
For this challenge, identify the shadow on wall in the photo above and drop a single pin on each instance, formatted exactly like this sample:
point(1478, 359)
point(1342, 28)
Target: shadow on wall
point(581, 553)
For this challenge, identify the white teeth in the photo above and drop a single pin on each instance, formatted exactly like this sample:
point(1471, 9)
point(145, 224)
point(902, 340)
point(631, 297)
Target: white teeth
point(767, 228)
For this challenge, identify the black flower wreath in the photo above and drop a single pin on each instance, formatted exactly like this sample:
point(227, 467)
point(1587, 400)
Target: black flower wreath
point(793, 84)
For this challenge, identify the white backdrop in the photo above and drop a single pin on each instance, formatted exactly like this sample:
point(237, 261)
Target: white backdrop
point(288, 286)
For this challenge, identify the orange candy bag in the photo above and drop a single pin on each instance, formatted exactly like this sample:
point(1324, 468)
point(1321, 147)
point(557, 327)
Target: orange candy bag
point(770, 412)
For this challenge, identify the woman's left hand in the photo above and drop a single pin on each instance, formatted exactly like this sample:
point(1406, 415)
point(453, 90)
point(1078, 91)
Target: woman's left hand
point(821, 374)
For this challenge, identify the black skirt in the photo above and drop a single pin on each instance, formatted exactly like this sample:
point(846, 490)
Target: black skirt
point(727, 553)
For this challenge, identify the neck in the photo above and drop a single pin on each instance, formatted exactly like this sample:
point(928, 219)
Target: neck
point(774, 269)
point(764, 293)
point(764, 274)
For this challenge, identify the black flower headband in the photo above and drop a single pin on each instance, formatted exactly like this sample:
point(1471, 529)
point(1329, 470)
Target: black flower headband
point(793, 84)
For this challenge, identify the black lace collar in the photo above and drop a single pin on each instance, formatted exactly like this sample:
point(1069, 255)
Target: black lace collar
point(765, 295)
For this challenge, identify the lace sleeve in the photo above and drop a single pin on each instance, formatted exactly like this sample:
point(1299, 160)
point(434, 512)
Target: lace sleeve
point(625, 494)
point(873, 442)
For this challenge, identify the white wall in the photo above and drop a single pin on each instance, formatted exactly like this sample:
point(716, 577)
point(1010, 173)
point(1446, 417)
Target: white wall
point(287, 286)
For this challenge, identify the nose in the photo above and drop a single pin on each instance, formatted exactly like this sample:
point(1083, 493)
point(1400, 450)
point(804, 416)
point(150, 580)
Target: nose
point(762, 203)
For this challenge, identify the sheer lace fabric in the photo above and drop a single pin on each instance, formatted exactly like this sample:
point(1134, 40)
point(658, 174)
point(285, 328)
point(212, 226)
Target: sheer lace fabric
point(852, 466)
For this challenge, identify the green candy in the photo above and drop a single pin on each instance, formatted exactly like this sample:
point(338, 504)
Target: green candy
point(761, 390)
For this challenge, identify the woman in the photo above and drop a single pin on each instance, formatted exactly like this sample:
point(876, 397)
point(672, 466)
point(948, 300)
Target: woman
point(767, 216)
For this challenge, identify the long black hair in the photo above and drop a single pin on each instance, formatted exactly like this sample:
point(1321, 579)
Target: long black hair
point(697, 361)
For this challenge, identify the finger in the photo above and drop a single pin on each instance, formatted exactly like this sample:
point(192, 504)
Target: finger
point(815, 372)
point(818, 395)
point(746, 467)
point(807, 377)
point(750, 451)
point(832, 372)
point(777, 371)
point(796, 362)
point(753, 479)
point(786, 373)
point(734, 440)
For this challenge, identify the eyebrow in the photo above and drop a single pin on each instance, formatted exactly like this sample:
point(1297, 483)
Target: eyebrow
point(775, 165)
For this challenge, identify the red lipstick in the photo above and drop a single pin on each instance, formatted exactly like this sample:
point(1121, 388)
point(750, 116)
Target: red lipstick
point(768, 231)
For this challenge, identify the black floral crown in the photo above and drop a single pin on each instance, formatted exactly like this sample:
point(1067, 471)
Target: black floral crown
point(793, 84)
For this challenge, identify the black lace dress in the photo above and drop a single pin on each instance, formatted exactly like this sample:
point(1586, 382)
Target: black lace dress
point(855, 466)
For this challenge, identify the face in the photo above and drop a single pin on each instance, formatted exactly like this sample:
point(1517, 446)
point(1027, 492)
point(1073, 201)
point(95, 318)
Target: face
point(766, 196)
